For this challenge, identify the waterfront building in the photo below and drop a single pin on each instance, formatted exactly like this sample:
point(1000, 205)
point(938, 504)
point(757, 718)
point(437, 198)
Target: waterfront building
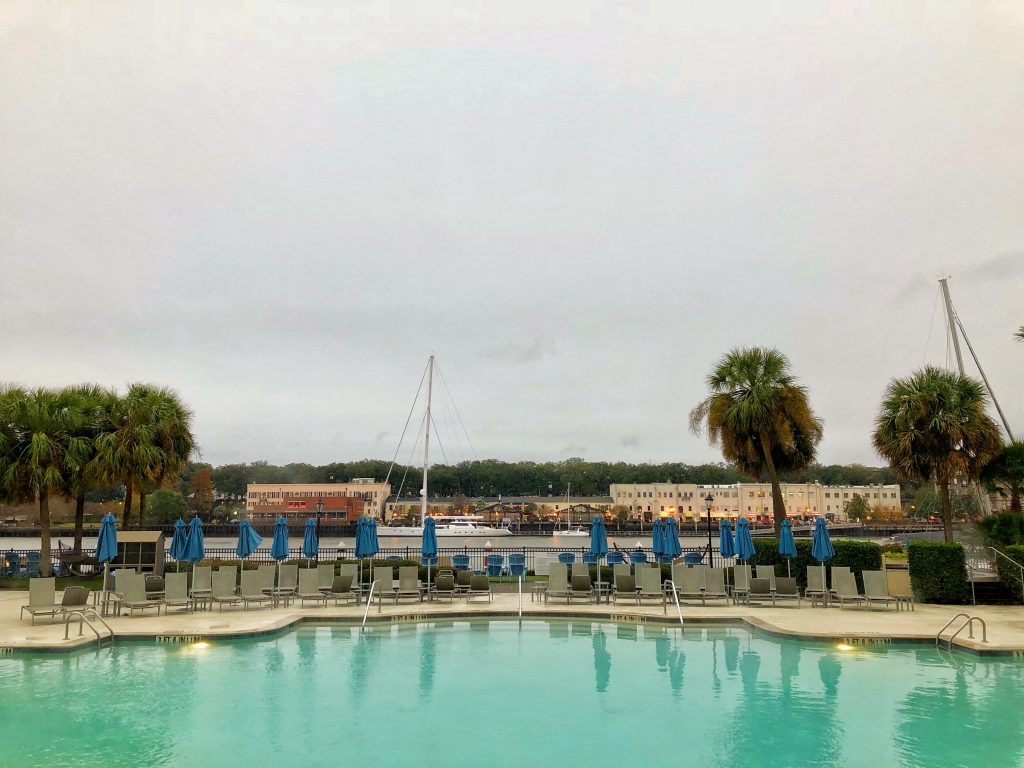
point(498, 508)
point(646, 501)
point(261, 497)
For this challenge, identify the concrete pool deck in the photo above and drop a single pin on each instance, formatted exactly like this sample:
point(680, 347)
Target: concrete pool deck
point(855, 625)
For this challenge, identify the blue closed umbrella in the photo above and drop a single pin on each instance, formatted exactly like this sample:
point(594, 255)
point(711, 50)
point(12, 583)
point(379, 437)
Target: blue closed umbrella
point(106, 544)
point(428, 547)
point(279, 546)
point(821, 548)
point(658, 539)
point(195, 547)
point(744, 542)
point(310, 542)
point(787, 547)
point(248, 540)
point(671, 539)
point(725, 545)
point(366, 541)
point(598, 545)
point(178, 542)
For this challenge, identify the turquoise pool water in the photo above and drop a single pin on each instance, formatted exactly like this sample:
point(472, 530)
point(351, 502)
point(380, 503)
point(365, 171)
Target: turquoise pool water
point(494, 693)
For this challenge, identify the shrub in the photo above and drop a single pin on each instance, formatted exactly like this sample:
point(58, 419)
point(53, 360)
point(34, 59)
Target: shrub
point(1003, 530)
point(938, 572)
point(1009, 573)
point(858, 556)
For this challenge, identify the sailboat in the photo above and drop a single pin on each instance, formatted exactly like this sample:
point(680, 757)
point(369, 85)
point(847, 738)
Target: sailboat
point(468, 526)
point(569, 530)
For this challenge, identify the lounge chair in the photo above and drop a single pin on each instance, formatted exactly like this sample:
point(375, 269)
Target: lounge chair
point(325, 576)
point(202, 581)
point(75, 599)
point(384, 583)
point(287, 581)
point(224, 589)
point(409, 584)
point(42, 599)
point(579, 569)
point(351, 570)
point(580, 587)
point(625, 589)
point(176, 591)
point(479, 586)
point(844, 589)
point(714, 585)
point(444, 587)
point(341, 589)
point(741, 583)
point(690, 584)
point(876, 589)
point(558, 583)
point(133, 594)
point(251, 590)
point(309, 587)
point(268, 575)
point(619, 570)
point(816, 585)
point(786, 589)
point(766, 572)
point(650, 586)
point(462, 579)
point(836, 574)
point(760, 592)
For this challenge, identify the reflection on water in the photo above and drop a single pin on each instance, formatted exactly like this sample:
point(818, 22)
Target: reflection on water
point(746, 700)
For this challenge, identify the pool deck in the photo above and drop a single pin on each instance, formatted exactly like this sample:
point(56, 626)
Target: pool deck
point(833, 624)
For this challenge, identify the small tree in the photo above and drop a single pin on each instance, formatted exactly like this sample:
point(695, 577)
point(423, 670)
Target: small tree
point(201, 490)
point(1004, 475)
point(857, 508)
point(166, 506)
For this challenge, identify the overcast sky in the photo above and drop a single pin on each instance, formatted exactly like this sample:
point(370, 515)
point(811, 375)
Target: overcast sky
point(280, 209)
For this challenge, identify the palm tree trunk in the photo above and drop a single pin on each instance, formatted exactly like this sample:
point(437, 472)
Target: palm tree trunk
point(79, 521)
point(778, 502)
point(127, 503)
point(44, 533)
point(947, 510)
point(142, 505)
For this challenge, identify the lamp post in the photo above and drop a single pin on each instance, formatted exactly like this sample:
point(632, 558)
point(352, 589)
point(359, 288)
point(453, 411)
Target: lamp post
point(708, 501)
point(319, 511)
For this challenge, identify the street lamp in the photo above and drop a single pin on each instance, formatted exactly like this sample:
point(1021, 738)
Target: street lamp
point(319, 511)
point(708, 501)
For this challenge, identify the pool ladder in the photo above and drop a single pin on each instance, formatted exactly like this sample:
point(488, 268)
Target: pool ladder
point(968, 625)
point(84, 619)
point(675, 596)
point(369, 599)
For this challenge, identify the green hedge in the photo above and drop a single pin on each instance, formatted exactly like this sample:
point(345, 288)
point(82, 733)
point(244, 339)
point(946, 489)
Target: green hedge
point(938, 572)
point(858, 556)
point(1003, 530)
point(1009, 573)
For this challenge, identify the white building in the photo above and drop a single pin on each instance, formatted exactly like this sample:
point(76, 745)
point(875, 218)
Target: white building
point(686, 500)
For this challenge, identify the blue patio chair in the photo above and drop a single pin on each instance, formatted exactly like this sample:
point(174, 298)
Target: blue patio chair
point(638, 557)
point(693, 558)
point(616, 558)
point(394, 557)
point(32, 571)
point(567, 558)
point(461, 562)
point(431, 561)
point(516, 565)
point(589, 558)
point(664, 559)
point(495, 565)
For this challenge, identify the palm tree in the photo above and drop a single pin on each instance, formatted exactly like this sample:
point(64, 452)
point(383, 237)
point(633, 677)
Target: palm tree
point(932, 426)
point(43, 445)
point(94, 405)
point(760, 416)
point(148, 440)
point(1020, 333)
point(1005, 474)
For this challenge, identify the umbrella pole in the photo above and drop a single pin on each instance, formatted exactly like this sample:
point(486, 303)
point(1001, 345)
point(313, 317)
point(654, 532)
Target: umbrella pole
point(788, 574)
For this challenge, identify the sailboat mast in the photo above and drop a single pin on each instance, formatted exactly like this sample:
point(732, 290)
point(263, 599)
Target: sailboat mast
point(426, 444)
point(951, 324)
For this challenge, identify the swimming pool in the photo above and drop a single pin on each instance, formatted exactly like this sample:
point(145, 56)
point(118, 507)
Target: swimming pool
point(497, 693)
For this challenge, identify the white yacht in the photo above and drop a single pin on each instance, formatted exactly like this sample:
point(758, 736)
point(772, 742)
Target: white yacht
point(462, 527)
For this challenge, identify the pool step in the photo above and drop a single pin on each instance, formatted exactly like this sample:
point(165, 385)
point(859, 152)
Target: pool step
point(992, 592)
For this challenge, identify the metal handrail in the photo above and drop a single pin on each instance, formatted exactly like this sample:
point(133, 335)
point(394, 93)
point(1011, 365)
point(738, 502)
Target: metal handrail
point(675, 598)
point(520, 597)
point(969, 625)
point(369, 599)
point(1019, 566)
point(82, 618)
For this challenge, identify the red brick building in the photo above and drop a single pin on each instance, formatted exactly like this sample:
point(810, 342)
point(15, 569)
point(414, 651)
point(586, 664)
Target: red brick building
point(337, 509)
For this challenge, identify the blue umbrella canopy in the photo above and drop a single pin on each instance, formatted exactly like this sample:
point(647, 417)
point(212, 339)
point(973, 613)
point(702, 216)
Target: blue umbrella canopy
point(366, 538)
point(310, 545)
point(821, 549)
point(428, 548)
point(248, 539)
point(106, 544)
point(598, 538)
point(672, 547)
point(725, 545)
point(744, 542)
point(195, 547)
point(787, 547)
point(658, 537)
point(279, 547)
point(179, 540)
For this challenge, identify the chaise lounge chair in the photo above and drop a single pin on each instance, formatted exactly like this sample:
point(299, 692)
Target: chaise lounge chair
point(786, 590)
point(766, 572)
point(444, 587)
point(383, 583)
point(409, 584)
point(714, 585)
point(741, 584)
point(558, 583)
point(251, 590)
point(325, 576)
point(844, 589)
point(876, 590)
point(690, 584)
point(625, 589)
point(815, 590)
point(341, 589)
point(309, 588)
point(760, 592)
point(176, 591)
point(581, 588)
point(42, 599)
point(651, 587)
point(479, 586)
point(224, 589)
point(133, 594)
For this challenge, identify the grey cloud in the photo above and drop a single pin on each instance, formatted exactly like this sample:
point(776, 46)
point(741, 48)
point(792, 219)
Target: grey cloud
point(527, 352)
point(630, 441)
point(1001, 267)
